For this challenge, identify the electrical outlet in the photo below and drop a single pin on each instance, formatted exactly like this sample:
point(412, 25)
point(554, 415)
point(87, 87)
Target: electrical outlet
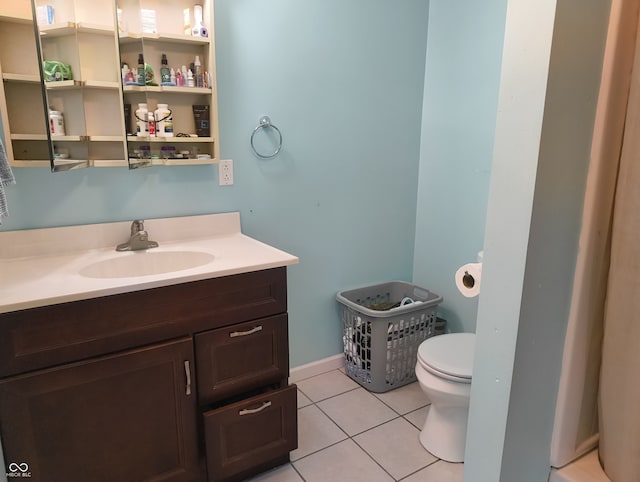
point(225, 172)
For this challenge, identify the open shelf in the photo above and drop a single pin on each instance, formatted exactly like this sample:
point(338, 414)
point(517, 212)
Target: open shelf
point(128, 37)
point(63, 84)
point(166, 88)
point(21, 19)
point(24, 163)
point(98, 29)
point(57, 29)
point(169, 140)
point(29, 137)
point(21, 78)
point(109, 163)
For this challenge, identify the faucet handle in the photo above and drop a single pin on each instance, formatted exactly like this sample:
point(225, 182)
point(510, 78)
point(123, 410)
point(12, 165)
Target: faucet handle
point(137, 226)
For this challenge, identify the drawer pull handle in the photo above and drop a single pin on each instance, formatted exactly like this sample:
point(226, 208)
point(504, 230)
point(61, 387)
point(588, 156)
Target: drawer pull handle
point(187, 371)
point(248, 411)
point(233, 334)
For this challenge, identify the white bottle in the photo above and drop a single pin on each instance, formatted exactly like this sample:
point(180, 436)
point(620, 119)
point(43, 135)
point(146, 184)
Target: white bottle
point(164, 121)
point(198, 29)
point(142, 116)
point(125, 73)
point(190, 82)
point(56, 123)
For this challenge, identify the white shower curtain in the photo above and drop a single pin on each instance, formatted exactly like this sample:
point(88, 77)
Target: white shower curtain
point(619, 395)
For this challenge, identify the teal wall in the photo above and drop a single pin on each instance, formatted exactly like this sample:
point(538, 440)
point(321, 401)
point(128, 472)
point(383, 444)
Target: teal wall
point(462, 78)
point(344, 83)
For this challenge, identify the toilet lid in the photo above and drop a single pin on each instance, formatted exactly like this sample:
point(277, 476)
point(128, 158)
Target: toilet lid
point(451, 354)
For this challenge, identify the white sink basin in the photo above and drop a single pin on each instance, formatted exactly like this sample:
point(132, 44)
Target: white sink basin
point(144, 263)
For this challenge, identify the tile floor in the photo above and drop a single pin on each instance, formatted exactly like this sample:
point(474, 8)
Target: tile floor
point(346, 433)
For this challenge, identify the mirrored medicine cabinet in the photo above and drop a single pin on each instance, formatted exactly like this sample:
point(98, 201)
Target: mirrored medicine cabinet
point(71, 95)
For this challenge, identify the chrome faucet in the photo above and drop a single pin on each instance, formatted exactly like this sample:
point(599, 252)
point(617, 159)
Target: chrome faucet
point(139, 238)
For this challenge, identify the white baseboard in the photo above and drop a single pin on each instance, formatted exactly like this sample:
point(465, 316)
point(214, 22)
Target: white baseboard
point(316, 368)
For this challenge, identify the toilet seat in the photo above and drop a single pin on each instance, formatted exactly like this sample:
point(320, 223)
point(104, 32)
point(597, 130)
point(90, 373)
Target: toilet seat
point(448, 356)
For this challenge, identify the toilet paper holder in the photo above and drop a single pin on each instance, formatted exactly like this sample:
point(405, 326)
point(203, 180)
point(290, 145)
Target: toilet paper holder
point(468, 280)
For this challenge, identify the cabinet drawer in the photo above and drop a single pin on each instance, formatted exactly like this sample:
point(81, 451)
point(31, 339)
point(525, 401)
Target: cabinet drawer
point(247, 435)
point(235, 359)
point(52, 335)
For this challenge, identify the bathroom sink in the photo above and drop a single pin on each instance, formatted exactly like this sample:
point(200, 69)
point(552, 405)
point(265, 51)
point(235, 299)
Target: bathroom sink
point(144, 263)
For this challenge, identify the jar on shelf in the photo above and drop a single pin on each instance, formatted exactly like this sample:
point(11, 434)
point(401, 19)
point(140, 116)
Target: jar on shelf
point(56, 123)
point(168, 152)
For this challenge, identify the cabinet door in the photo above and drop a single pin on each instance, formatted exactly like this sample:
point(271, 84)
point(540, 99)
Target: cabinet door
point(241, 357)
point(252, 435)
point(124, 417)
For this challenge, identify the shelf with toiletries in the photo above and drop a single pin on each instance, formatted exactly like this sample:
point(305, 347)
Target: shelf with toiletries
point(162, 17)
point(167, 88)
point(92, 99)
point(83, 89)
point(157, 37)
point(73, 58)
point(171, 151)
point(177, 140)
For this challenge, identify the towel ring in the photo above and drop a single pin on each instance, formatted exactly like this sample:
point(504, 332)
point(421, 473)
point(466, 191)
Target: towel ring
point(264, 123)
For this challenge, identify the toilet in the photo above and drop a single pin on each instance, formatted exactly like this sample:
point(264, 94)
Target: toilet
point(444, 367)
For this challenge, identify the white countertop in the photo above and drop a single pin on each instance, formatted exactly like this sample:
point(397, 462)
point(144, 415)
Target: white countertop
point(42, 266)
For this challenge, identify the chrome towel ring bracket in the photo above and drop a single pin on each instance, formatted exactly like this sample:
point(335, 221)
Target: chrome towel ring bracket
point(265, 123)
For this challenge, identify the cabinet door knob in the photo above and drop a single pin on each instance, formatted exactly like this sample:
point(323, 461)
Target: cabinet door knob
point(187, 372)
point(233, 334)
point(248, 411)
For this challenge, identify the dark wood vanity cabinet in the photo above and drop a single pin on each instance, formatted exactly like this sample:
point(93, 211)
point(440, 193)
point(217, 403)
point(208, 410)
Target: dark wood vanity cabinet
point(192, 385)
point(128, 416)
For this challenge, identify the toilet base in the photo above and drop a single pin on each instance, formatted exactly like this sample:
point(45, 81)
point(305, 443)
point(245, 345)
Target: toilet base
point(445, 432)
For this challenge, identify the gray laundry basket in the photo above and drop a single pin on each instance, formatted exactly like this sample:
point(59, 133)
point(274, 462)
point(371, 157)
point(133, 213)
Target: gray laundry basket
point(384, 325)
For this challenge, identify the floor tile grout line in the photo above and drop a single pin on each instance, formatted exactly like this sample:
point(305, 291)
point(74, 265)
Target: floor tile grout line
point(419, 470)
point(374, 460)
point(330, 397)
point(320, 374)
point(355, 388)
point(436, 459)
point(297, 471)
point(319, 450)
point(348, 436)
point(398, 414)
point(401, 414)
point(363, 431)
point(330, 445)
point(352, 437)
